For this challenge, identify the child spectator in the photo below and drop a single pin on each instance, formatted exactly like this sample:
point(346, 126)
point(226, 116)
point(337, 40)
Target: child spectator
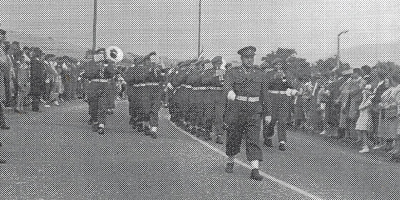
point(364, 121)
point(23, 77)
point(58, 85)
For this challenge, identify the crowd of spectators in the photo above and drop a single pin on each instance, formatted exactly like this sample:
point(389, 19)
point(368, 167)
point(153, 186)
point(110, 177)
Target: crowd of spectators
point(358, 105)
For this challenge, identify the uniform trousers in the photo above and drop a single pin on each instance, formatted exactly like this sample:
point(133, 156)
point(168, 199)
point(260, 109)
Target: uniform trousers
point(196, 107)
point(179, 99)
point(280, 111)
point(185, 103)
point(98, 101)
point(2, 118)
point(111, 98)
point(214, 108)
point(135, 99)
point(244, 120)
point(152, 104)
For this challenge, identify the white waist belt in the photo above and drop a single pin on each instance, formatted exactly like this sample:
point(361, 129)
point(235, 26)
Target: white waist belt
point(214, 88)
point(199, 88)
point(187, 86)
point(249, 99)
point(139, 85)
point(100, 80)
point(276, 92)
point(152, 83)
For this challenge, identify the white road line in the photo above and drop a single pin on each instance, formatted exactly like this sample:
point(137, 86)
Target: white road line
point(265, 175)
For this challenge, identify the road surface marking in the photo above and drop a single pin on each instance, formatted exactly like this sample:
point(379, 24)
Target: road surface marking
point(265, 175)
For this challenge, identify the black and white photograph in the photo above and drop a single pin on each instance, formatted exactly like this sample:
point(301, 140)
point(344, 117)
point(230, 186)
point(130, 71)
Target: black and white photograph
point(199, 99)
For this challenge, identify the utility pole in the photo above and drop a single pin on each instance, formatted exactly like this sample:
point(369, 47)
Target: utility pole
point(338, 49)
point(198, 42)
point(94, 26)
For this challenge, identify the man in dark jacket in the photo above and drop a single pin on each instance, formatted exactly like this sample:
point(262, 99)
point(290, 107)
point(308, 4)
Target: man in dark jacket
point(38, 76)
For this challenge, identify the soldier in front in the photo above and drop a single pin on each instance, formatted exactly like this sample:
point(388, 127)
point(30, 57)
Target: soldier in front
point(244, 91)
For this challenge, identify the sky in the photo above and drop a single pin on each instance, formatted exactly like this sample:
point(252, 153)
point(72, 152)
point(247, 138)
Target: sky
point(170, 27)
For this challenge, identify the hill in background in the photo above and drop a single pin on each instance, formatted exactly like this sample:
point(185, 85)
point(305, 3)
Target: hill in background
point(370, 54)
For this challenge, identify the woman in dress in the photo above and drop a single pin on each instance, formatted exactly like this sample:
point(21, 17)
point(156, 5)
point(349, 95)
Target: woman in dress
point(388, 121)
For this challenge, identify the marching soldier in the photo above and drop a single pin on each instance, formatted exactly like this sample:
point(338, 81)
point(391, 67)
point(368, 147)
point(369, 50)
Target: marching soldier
point(243, 88)
point(214, 101)
point(99, 75)
point(171, 90)
point(182, 93)
point(196, 96)
point(152, 95)
point(135, 78)
point(279, 91)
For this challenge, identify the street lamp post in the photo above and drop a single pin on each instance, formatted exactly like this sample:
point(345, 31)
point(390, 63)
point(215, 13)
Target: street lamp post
point(94, 26)
point(338, 49)
point(199, 35)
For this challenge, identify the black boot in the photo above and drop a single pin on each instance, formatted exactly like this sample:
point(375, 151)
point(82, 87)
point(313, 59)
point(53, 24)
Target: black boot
point(268, 142)
point(154, 135)
point(282, 147)
point(147, 131)
point(219, 140)
point(256, 175)
point(139, 127)
point(4, 127)
point(95, 127)
point(207, 135)
point(229, 168)
point(100, 130)
point(132, 121)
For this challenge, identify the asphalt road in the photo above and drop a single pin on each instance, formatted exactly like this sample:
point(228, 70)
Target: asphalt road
point(55, 155)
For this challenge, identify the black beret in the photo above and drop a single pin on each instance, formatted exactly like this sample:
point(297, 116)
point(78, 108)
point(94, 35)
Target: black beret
point(216, 59)
point(3, 32)
point(357, 70)
point(247, 51)
point(366, 69)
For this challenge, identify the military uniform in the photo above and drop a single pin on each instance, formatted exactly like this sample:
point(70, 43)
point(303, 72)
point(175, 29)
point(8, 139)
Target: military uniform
point(182, 95)
point(196, 101)
point(244, 90)
point(172, 98)
point(152, 96)
point(135, 79)
point(214, 100)
point(280, 92)
point(99, 75)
